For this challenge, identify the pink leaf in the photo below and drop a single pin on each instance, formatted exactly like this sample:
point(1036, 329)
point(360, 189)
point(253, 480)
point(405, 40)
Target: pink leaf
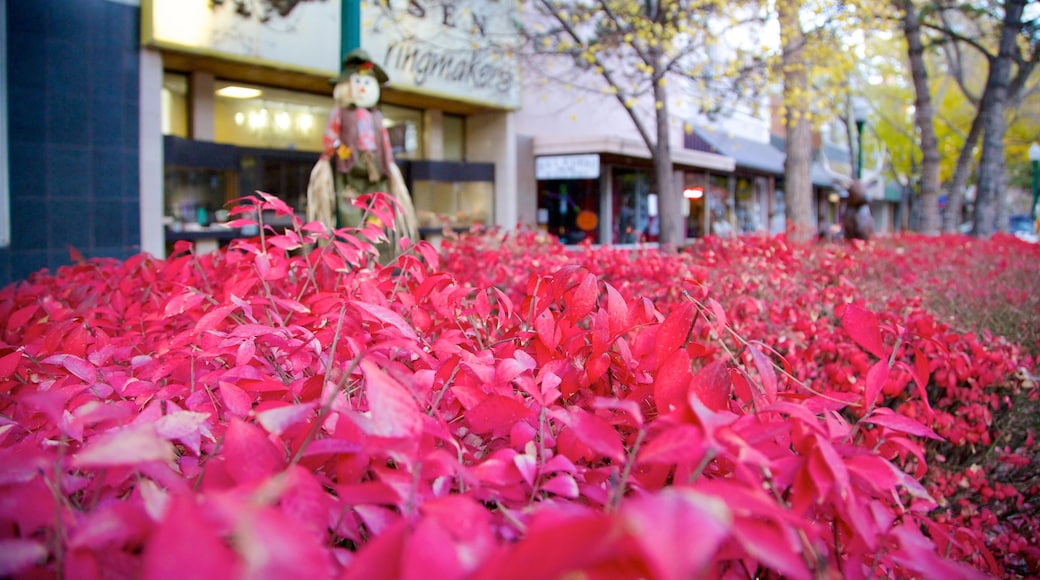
point(680, 530)
point(862, 326)
point(595, 432)
point(673, 332)
point(181, 423)
point(766, 373)
point(679, 444)
point(886, 418)
point(235, 399)
point(126, 446)
point(384, 315)
point(562, 485)
point(17, 554)
point(617, 311)
point(278, 419)
point(495, 412)
point(672, 383)
point(876, 377)
point(211, 319)
point(394, 411)
point(712, 386)
point(187, 544)
point(248, 454)
point(9, 363)
point(583, 298)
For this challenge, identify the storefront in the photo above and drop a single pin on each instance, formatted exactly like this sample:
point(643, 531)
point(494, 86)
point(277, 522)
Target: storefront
point(601, 189)
point(244, 97)
point(745, 200)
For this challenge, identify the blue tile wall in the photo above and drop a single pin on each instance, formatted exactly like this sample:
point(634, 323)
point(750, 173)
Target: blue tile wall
point(72, 98)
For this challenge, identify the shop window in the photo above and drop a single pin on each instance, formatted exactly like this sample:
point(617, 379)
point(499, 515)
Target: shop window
point(747, 206)
point(454, 128)
point(269, 118)
point(632, 204)
point(720, 207)
point(195, 196)
point(569, 209)
point(449, 194)
point(405, 129)
point(695, 204)
point(174, 104)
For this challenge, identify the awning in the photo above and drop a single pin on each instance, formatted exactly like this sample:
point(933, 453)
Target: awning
point(747, 153)
point(612, 145)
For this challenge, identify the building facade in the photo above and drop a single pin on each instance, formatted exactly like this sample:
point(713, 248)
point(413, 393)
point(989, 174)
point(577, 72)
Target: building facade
point(69, 133)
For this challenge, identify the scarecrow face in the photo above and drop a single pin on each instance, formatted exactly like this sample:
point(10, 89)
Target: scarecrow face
point(360, 90)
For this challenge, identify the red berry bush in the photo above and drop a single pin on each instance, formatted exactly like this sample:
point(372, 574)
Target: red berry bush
point(293, 408)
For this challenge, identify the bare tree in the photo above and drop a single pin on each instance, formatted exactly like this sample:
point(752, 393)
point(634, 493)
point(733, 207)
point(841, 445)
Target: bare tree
point(924, 115)
point(637, 51)
point(977, 29)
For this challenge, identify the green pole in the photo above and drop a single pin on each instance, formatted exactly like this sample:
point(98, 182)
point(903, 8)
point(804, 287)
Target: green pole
point(1036, 186)
point(859, 148)
point(350, 26)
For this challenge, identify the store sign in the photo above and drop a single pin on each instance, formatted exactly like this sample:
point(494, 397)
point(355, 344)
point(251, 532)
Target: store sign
point(567, 167)
point(463, 50)
point(303, 36)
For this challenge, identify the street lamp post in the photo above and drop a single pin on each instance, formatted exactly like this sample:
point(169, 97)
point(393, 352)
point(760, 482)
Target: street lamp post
point(859, 115)
point(1034, 156)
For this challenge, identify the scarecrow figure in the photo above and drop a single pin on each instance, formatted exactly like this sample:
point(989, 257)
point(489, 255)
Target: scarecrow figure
point(357, 158)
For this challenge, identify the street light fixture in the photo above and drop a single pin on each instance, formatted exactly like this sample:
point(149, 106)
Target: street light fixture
point(1034, 156)
point(860, 108)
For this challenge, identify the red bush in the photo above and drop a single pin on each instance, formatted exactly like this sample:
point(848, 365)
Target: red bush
point(274, 410)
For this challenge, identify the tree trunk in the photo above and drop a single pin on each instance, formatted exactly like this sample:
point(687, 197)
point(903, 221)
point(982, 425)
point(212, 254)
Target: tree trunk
point(955, 194)
point(994, 103)
point(797, 166)
point(669, 197)
point(924, 114)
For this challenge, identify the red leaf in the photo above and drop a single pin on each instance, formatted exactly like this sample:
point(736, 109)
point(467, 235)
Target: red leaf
point(617, 311)
point(545, 327)
point(764, 540)
point(862, 326)
point(876, 377)
point(921, 372)
point(9, 363)
point(679, 444)
point(712, 386)
point(595, 432)
point(21, 316)
point(583, 298)
point(672, 383)
point(248, 454)
point(673, 332)
point(496, 412)
point(394, 411)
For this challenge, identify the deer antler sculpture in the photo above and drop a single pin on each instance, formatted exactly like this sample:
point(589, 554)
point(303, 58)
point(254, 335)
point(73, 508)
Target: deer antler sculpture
point(868, 178)
point(856, 221)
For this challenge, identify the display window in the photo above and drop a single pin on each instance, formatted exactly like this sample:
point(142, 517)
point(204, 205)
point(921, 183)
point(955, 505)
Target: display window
point(632, 205)
point(569, 209)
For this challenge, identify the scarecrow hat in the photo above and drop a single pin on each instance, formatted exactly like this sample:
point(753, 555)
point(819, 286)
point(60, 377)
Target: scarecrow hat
point(356, 61)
